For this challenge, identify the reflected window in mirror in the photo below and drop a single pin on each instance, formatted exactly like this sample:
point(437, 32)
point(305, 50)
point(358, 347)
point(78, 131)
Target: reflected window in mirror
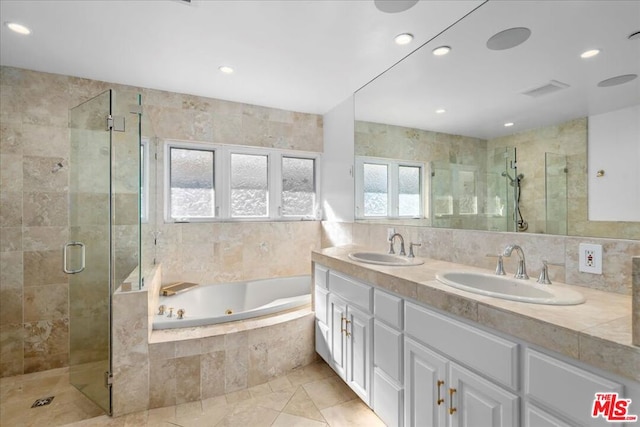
point(389, 188)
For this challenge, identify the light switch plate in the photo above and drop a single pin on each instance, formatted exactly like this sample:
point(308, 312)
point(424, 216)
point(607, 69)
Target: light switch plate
point(590, 258)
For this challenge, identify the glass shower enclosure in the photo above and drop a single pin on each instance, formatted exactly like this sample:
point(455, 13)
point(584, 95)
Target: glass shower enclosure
point(103, 250)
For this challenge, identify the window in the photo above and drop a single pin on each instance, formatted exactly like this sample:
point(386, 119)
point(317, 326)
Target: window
point(249, 186)
point(209, 182)
point(388, 188)
point(298, 187)
point(191, 183)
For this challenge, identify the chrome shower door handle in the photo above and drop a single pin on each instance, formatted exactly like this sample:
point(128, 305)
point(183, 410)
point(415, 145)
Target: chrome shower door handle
point(64, 257)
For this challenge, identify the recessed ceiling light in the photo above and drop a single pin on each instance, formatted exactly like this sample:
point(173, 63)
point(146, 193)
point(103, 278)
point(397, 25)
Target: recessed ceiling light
point(441, 111)
point(404, 38)
point(589, 53)
point(18, 28)
point(442, 50)
point(508, 124)
point(225, 69)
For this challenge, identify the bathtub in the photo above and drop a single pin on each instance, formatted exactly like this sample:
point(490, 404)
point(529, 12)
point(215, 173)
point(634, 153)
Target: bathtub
point(228, 302)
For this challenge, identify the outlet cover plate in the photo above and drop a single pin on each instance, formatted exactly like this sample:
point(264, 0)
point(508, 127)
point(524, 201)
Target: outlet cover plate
point(590, 258)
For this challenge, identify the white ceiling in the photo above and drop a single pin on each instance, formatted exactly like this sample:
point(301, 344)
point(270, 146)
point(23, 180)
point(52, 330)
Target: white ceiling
point(482, 89)
point(296, 55)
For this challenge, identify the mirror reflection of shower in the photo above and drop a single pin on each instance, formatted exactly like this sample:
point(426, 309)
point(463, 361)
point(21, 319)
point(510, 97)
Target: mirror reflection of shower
point(519, 223)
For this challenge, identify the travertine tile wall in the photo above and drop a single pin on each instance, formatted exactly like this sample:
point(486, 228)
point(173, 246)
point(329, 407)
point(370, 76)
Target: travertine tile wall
point(34, 136)
point(471, 247)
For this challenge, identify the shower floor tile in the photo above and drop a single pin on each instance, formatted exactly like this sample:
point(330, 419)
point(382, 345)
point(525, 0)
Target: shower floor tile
point(310, 396)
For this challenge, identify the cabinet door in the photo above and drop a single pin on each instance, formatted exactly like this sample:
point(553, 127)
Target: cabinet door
point(338, 317)
point(424, 386)
point(359, 351)
point(536, 417)
point(478, 402)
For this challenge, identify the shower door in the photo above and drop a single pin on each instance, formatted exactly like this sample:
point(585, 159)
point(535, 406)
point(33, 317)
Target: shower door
point(88, 255)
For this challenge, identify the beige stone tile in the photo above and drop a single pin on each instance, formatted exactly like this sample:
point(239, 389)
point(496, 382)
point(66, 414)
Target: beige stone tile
point(238, 396)
point(11, 209)
point(212, 374)
point(44, 238)
point(45, 209)
point(11, 172)
point(280, 383)
point(39, 175)
point(187, 379)
point(162, 384)
point(310, 373)
point(256, 417)
point(301, 405)
point(160, 416)
point(236, 369)
point(288, 420)
point(11, 269)
point(11, 307)
point(353, 414)
point(329, 392)
point(43, 268)
point(46, 302)
point(10, 239)
point(130, 388)
point(635, 301)
point(275, 400)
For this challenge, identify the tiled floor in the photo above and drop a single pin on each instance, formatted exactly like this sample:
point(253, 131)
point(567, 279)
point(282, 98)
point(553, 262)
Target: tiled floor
point(310, 396)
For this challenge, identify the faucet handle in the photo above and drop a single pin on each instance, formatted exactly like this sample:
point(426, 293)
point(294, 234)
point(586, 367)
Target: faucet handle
point(499, 265)
point(411, 245)
point(544, 273)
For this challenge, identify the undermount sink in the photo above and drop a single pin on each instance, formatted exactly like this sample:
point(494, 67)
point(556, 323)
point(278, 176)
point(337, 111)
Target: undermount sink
point(510, 288)
point(380, 258)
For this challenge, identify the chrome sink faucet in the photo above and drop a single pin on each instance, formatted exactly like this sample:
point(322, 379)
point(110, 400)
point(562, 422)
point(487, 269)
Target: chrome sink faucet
point(522, 266)
point(391, 239)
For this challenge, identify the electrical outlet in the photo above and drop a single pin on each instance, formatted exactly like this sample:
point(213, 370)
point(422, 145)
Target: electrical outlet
point(590, 258)
point(390, 232)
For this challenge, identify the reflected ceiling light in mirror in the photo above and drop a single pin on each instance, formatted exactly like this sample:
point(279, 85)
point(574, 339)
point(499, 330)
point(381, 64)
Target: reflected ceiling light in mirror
point(226, 69)
point(441, 50)
point(394, 6)
point(508, 39)
point(404, 38)
point(617, 80)
point(441, 111)
point(18, 28)
point(508, 124)
point(589, 53)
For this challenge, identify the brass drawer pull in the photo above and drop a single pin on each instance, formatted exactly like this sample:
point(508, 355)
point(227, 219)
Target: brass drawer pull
point(440, 399)
point(452, 410)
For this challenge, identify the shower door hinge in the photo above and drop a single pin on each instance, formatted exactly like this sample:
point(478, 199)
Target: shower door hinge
point(115, 123)
point(108, 379)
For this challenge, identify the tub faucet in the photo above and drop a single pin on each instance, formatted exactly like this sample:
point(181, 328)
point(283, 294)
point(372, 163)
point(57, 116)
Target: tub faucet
point(391, 251)
point(522, 267)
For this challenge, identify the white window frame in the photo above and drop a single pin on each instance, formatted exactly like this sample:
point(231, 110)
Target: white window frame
point(393, 166)
point(222, 181)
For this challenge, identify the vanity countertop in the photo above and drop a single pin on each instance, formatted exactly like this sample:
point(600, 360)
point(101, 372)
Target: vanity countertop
point(597, 332)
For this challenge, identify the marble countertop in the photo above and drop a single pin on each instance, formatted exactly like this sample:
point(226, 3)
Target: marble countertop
point(597, 332)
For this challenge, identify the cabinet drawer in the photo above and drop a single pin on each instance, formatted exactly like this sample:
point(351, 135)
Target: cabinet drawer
point(564, 387)
point(535, 417)
point(356, 293)
point(387, 350)
point(388, 308)
point(320, 275)
point(320, 304)
point(484, 352)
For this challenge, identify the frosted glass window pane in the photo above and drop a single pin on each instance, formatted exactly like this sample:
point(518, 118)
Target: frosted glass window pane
point(408, 191)
point(298, 186)
point(249, 180)
point(375, 180)
point(192, 185)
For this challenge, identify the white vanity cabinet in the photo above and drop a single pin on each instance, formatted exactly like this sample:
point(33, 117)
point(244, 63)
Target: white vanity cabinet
point(439, 391)
point(416, 366)
point(350, 332)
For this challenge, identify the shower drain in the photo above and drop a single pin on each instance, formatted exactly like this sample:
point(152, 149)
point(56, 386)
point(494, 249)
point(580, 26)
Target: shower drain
point(42, 402)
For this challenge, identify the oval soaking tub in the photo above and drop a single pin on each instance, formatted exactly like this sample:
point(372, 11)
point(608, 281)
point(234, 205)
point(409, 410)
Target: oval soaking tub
point(228, 302)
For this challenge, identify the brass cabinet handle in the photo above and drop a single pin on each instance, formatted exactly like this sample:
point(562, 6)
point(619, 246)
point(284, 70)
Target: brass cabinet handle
point(452, 410)
point(440, 399)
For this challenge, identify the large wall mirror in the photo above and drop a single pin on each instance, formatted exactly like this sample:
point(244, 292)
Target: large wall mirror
point(494, 133)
